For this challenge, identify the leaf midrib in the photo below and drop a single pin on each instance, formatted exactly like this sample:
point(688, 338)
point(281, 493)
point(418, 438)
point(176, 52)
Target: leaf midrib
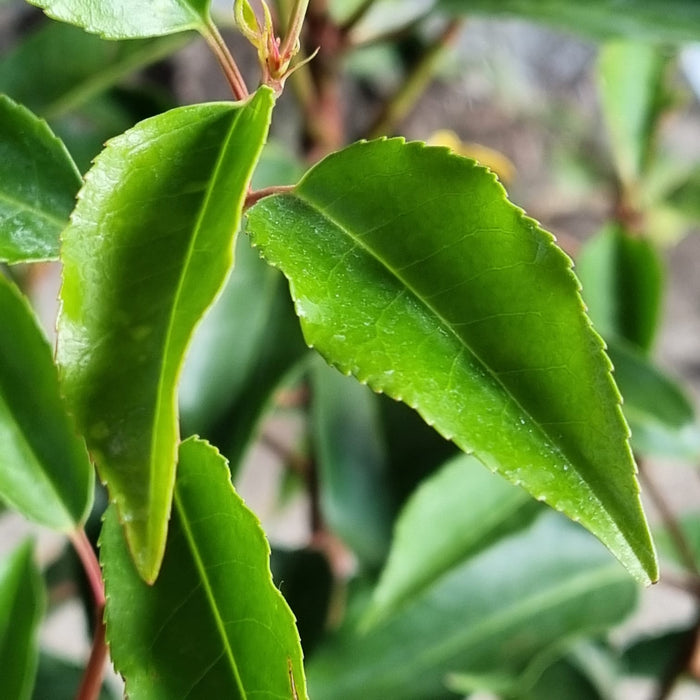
point(320, 209)
point(209, 592)
point(162, 388)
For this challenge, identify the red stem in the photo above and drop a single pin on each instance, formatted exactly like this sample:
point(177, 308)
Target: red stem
point(91, 684)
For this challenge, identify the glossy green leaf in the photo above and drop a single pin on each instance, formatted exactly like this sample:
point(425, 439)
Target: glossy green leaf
point(453, 516)
point(352, 463)
point(58, 68)
point(492, 615)
point(38, 184)
point(148, 248)
point(228, 344)
point(129, 19)
point(655, 20)
point(22, 603)
point(630, 82)
point(411, 270)
point(44, 468)
point(213, 625)
point(623, 278)
point(244, 349)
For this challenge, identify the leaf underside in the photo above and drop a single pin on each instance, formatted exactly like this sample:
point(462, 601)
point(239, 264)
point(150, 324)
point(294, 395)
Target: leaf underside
point(411, 270)
point(149, 246)
point(215, 583)
point(129, 19)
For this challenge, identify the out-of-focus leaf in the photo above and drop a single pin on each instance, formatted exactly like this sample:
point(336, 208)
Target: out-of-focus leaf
point(44, 468)
point(58, 679)
point(59, 68)
point(585, 672)
point(305, 580)
point(492, 615)
point(623, 278)
point(654, 20)
point(411, 270)
point(686, 197)
point(148, 248)
point(653, 656)
point(690, 525)
point(415, 450)
point(454, 515)
point(38, 185)
point(213, 625)
point(86, 130)
point(660, 414)
point(630, 76)
point(352, 463)
point(130, 19)
point(22, 603)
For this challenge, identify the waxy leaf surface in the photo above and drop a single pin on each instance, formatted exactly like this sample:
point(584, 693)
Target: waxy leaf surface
point(213, 625)
point(453, 515)
point(38, 184)
point(411, 270)
point(22, 603)
point(148, 248)
point(654, 20)
point(44, 468)
point(481, 618)
point(129, 19)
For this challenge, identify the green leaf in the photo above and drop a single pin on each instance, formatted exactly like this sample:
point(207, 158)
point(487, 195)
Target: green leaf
point(44, 468)
point(653, 656)
point(129, 19)
point(58, 68)
point(352, 464)
point(148, 248)
point(305, 579)
point(245, 347)
point(657, 409)
point(59, 679)
point(22, 603)
point(454, 515)
point(38, 184)
point(686, 196)
point(246, 343)
point(630, 81)
point(411, 270)
point(623, 278)
point(492, 615)
point(655, 20)
point(213, 625)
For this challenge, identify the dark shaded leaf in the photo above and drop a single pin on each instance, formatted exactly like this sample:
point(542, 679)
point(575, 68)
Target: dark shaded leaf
point(38, 185)
point(44, 467)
